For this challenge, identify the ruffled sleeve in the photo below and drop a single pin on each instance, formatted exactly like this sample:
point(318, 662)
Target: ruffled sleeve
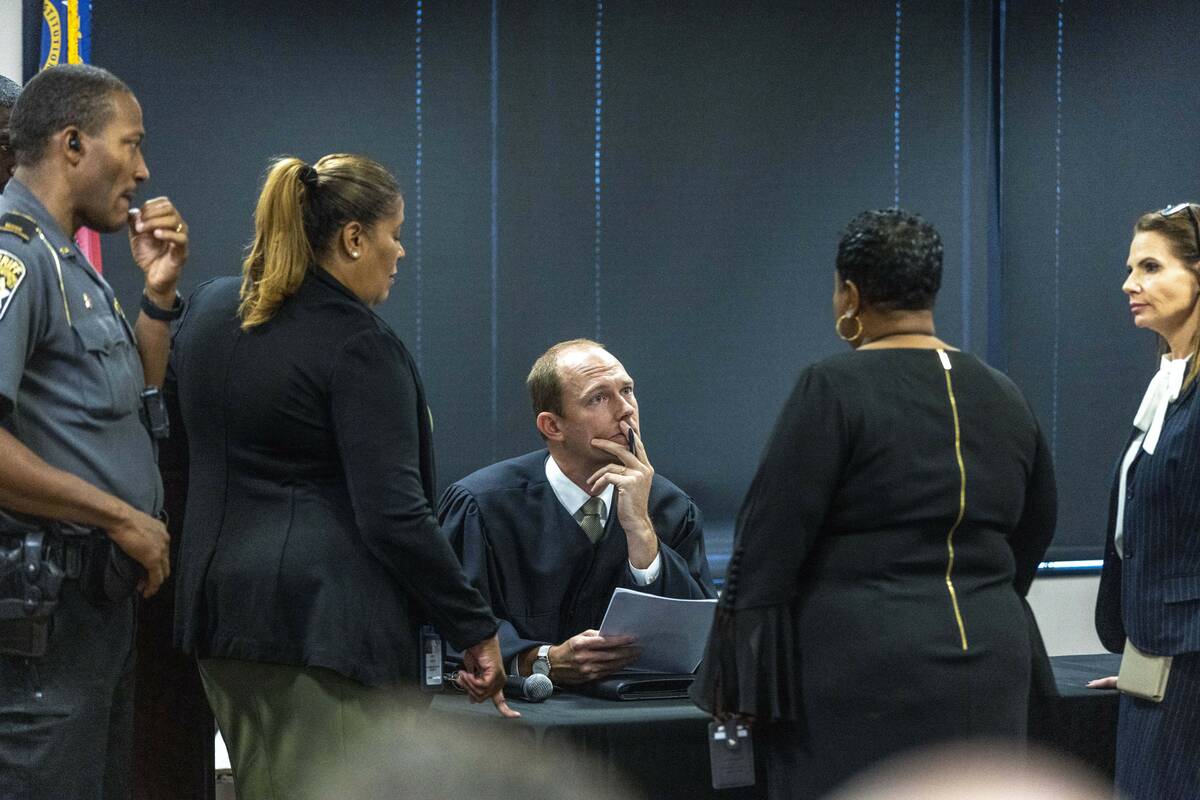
point(752, 665)
point(752, 661)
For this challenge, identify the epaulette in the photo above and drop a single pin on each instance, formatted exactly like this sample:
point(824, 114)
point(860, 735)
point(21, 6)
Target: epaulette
point(18, 225)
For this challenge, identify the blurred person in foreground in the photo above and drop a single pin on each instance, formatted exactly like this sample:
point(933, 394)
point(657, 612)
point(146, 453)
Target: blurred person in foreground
point(310, 556)
point(976, 771)
point(1149, 599)
point(875, 596)
point(458, 760)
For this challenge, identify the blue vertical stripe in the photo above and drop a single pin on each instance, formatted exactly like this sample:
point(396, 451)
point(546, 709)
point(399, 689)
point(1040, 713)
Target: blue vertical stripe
point(495, 227)
point(896, 115)
point(966, 177)
point(997, 354)
point(1058, 101)
point(596, 154)
point(417, 189)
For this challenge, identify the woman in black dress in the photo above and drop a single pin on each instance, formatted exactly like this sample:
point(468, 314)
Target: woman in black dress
point(875, 598)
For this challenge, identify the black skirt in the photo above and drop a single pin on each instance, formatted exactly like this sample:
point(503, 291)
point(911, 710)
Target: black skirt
point(1158, 743)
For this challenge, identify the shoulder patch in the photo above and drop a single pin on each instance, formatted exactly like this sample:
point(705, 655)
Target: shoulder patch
point(12, 274)
point(18, 225)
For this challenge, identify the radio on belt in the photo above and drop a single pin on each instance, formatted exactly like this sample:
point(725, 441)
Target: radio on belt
point(154, 413)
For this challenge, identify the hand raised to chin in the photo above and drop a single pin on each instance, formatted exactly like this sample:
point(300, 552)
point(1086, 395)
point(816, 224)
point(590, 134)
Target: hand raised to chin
point(632, 476)
point(158, 241)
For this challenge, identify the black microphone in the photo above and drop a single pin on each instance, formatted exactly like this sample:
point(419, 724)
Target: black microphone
point(535, 688)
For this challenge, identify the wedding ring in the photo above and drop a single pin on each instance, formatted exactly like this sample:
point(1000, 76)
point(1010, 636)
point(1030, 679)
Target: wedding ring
point(179, 228)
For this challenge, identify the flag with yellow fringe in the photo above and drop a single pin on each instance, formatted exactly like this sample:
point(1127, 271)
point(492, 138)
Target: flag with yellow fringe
point(67, 39)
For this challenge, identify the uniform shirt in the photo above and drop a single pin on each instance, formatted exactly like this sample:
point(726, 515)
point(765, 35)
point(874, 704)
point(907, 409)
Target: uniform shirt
point(70, 373)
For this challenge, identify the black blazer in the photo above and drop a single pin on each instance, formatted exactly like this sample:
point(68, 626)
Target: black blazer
point(1152, 596)
point(309, 537)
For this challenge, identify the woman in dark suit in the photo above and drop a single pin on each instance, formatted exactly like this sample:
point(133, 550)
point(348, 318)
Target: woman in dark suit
point(311, 556)
point(875, 597)
point(1150, 587)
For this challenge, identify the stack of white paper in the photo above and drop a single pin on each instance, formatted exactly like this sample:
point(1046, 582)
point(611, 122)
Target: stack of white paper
point(671, 632)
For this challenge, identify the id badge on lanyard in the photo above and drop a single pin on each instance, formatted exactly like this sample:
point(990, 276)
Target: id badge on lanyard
point(431, 660)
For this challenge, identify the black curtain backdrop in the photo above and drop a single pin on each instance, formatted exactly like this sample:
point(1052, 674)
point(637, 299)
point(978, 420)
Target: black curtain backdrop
point(672, 177)
point(1085, 154)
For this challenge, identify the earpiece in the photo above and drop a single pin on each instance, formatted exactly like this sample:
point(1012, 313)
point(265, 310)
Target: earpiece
point(73, 142)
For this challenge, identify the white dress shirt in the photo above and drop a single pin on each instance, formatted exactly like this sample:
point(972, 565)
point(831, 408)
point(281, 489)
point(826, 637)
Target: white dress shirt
point(1163, 390)
point(573, 498)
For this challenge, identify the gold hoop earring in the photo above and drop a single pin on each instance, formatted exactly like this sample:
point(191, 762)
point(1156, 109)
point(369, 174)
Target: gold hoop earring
point(838, 327)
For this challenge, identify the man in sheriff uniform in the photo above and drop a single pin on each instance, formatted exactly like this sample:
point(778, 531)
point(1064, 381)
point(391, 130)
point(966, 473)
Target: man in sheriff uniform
point(73, 444)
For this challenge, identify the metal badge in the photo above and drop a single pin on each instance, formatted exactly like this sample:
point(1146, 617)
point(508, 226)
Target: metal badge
point(12, 275)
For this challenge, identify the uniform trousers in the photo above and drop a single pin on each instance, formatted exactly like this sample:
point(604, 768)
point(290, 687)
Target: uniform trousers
point(292, 731)
point(66, 719)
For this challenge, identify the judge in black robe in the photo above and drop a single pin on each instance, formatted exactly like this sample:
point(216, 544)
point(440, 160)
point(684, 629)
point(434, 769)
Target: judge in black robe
point(528, 553)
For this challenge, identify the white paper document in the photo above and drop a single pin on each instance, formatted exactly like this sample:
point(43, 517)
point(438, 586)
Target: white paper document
point(671, 632)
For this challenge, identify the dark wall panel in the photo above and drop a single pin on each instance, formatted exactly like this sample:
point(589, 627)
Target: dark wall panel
point(734, 144)
point(1118, 118)
point(455, 245)
point(545, 191)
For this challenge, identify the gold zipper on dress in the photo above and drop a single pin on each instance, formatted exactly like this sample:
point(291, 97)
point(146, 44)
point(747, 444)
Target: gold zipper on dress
point(962, 498)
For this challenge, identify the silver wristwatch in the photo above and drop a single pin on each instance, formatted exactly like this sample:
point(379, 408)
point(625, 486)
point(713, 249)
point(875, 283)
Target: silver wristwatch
point(541, 664)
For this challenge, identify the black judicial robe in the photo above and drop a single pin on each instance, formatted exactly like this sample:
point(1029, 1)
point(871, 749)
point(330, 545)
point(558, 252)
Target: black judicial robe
point(536, 567)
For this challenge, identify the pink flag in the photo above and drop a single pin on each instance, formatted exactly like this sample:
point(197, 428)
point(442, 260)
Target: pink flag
point(89, 243)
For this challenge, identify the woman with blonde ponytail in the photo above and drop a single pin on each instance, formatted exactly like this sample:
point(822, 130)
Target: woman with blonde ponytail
point(1149, 602)
point(280, 255)
point(311, 567)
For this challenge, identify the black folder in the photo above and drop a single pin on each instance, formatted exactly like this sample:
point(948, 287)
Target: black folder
point(640, 686)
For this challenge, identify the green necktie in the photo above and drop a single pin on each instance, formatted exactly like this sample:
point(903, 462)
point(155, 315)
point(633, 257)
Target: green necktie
point(591, 523)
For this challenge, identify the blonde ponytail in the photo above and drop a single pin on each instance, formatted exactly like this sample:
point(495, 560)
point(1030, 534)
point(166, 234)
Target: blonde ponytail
point(300, 212)
point(280, 254)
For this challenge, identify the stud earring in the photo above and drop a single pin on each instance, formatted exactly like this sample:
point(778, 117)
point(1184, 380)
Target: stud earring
point(354, 254)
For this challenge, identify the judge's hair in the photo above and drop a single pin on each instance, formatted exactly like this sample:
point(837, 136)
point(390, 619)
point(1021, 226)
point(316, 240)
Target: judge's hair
point(300, 211)
point(544, 382)
point(78, 95)
point(1181, 239)
point(894, 258)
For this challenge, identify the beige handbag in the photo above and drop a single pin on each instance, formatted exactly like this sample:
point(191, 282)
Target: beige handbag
point(1143, 675)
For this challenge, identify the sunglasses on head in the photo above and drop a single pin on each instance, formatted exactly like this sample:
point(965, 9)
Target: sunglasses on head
point(1179, 208)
